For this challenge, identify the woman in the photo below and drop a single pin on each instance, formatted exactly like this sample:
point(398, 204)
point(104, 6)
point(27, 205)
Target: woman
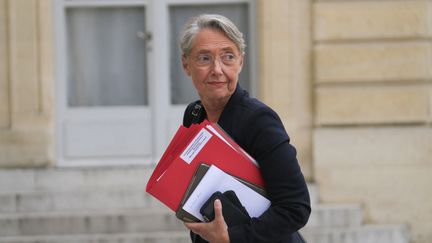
point(213, 53)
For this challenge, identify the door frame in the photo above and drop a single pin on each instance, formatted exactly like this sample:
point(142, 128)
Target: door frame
point(64, 113)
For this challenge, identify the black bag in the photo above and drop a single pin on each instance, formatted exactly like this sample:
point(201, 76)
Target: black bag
point(233, 211)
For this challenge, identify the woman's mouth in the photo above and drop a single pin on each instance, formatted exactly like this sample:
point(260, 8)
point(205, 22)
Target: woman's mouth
point(217, 83)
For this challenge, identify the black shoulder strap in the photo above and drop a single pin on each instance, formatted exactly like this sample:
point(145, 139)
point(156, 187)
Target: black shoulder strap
point(193, 114)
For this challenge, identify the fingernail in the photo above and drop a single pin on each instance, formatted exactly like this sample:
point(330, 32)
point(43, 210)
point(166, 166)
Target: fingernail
point(218, 202)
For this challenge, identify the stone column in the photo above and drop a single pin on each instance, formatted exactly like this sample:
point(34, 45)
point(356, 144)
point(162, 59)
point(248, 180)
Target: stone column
point(26, 83)
point(285, 69)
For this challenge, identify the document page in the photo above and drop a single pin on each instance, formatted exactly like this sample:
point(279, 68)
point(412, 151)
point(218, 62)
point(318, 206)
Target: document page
point(217, 180)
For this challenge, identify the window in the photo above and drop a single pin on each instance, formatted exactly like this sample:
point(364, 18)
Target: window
point(106, 56)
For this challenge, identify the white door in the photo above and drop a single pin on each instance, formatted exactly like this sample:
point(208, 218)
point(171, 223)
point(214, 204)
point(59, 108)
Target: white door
point(102, 93)
point(121, 91)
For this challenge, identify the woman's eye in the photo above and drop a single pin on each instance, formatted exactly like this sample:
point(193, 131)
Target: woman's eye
point(203, 58)
point(228, 57)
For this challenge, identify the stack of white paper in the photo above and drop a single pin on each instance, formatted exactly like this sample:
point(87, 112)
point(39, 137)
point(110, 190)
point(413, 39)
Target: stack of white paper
point(217, 180)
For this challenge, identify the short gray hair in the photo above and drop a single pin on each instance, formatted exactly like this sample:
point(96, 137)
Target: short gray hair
point(211, 21)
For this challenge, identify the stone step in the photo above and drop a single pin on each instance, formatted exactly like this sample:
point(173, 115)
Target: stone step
point(140, 220)
point(43, 201)
point(23, 181)
point(66, 179)
point(362, 234)
point(86, 199)
point(150, 237)
point(91, 222)
point(64, 189)
point(337, 215)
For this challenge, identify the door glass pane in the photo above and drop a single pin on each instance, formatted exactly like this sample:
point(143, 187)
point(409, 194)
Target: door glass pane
point(182, 90)
point(106, 56)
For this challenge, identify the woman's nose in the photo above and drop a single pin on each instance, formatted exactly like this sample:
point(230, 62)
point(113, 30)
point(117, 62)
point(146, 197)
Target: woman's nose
point(217, 66)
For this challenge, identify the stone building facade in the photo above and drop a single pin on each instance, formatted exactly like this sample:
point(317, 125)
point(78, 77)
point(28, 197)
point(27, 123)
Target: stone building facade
point(352, 81)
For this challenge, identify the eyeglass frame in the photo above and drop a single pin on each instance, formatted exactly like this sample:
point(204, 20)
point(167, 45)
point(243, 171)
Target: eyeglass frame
point(212, 58)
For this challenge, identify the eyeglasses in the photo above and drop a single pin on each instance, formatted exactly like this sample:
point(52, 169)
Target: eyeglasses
point(206, 60)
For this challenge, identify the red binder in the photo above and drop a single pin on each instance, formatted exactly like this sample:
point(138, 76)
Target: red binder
point(194, 145)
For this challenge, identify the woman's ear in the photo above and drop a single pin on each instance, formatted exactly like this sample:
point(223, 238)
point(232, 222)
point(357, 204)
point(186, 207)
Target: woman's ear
point(241, 61)
point(185, 65)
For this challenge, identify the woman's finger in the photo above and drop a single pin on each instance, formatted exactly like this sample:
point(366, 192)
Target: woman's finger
point(218, 210)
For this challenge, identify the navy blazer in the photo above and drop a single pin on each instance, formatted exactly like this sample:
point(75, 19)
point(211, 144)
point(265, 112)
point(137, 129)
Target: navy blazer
point(260, 132)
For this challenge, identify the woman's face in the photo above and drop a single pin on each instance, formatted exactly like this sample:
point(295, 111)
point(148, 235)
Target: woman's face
point(213, 64)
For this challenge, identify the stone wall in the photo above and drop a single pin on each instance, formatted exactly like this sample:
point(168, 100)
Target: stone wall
point(372, 108)
point(285, 69)
point(26, 83)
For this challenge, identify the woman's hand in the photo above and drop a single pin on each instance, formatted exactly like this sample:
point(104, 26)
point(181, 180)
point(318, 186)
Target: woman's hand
point(215, 231)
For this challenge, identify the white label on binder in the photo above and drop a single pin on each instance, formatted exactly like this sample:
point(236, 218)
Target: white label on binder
point(193, 149)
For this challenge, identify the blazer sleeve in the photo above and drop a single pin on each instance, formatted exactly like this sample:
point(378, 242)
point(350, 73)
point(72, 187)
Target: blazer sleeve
point(267, 141)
